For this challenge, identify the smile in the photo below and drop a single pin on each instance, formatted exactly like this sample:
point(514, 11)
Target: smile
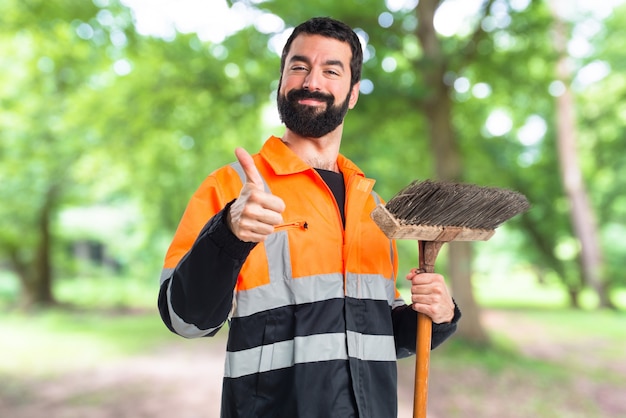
point(311, 102)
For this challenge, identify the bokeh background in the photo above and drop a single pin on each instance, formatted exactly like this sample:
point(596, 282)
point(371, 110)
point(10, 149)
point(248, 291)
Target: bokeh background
point(112, 113)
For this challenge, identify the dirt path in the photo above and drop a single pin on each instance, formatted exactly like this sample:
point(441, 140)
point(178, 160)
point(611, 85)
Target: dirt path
point(183, 380)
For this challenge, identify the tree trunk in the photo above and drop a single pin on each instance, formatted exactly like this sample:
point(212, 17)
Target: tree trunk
point(35, 271)
point(461, 278)
point(43, 258)
point(573, 295)
point(581, 212)
point(438, 109)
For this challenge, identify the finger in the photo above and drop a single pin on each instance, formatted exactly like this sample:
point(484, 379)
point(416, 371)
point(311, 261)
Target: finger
point(423, 279)
point(266, 211)
point(414, 272)
point(257, 231)
point(247, 163)
point(276, 204)
point(269, 203)
point(421, 289)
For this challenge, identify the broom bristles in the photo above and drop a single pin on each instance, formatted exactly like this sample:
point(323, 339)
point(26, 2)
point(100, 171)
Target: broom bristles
point(453, 204)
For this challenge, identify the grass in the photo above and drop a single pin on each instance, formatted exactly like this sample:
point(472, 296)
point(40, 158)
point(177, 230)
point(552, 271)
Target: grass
point(52, 341)
point(108, 292)
point(603, 332)
point(98, 319)
point(520, 289)
point(100, 291)
point(575, 368)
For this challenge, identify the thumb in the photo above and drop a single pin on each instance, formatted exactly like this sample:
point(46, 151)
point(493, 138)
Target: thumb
point(250, 170)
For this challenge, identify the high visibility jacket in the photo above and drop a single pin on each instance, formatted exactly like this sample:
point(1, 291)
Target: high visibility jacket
point(315, 320)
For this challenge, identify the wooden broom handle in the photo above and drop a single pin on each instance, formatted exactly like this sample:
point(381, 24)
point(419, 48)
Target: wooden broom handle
point(428, 251)
point(422, 364)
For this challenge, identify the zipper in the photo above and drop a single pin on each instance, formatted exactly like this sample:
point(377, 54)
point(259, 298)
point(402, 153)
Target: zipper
point(303, 225)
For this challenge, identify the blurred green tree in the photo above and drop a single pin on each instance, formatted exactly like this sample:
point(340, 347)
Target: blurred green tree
point(51, 63)
point(495, 80)
point(581, 213)
point(601, 132)
point(94, 113)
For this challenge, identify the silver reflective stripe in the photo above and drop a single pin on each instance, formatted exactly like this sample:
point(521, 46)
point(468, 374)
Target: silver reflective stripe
point(283, 290)
point(377, 198)
point(398, 302)
point(379, 201)
point(181, 327)
point(288, 291)
point(308, 349)
point(370, 286)
point(280, 291)
point(242, 175)
point(278, 256)
point(371, 347)
point(165, 274)
point(276, 245)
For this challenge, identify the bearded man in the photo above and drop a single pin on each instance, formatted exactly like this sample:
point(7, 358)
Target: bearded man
point(281, 246)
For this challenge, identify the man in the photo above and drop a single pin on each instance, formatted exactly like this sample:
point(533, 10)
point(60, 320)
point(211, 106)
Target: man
point(281, 244)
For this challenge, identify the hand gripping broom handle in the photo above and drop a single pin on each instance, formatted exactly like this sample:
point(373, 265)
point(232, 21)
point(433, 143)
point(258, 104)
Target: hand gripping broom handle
point(435, 213)
point(428, 251)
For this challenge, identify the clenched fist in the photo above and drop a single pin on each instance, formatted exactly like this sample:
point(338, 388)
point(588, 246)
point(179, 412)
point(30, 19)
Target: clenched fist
point(255, 213)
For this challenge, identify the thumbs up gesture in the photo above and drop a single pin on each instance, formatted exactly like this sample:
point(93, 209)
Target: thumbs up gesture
point(255, 212)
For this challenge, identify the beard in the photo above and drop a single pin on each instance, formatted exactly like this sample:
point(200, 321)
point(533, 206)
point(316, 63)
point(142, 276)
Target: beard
point(310, 121)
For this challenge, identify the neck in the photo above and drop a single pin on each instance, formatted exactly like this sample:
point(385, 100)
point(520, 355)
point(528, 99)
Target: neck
point(317, 152)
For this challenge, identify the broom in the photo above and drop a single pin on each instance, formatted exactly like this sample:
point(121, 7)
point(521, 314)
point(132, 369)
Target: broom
point(435, 213)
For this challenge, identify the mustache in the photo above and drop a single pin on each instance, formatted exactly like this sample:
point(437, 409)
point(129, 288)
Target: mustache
point(295, 95)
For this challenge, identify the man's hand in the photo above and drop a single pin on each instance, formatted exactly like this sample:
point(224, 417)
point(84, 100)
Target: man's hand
point(255, 212)
point(430, 296)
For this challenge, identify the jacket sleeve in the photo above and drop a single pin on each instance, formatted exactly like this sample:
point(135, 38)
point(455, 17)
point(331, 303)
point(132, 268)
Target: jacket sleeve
point(196, 296)
point(405, 329)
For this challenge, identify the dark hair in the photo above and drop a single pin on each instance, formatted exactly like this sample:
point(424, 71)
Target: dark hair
point(330, 28)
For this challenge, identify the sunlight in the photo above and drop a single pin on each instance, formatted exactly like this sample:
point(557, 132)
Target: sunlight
point(533, 131)
point(453, 17)
point(212, 21)
point(499, 123)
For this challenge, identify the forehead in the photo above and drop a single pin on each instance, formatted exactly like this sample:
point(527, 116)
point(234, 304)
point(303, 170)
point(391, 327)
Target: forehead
point(320, 48)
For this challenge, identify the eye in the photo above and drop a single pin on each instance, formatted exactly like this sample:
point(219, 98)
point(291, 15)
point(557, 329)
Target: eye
point(298, 68)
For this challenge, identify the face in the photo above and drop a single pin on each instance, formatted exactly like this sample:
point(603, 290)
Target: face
point(315, 94)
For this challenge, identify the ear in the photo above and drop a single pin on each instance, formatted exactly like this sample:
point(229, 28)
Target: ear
point(354, 95)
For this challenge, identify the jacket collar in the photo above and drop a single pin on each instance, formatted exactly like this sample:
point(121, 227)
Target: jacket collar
point(284, 161)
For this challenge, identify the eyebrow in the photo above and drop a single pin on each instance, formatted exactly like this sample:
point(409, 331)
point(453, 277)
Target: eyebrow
point(302, 58)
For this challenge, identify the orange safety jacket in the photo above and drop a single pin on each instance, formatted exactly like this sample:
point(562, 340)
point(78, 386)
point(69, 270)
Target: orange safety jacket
point(315, 320)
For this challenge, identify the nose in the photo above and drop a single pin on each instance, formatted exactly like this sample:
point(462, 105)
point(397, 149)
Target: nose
point(312, 81)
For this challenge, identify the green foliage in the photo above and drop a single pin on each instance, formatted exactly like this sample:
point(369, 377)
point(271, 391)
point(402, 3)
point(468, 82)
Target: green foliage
point(95, 114)
point(41, 145)
point(105, 117)
point(602, 128)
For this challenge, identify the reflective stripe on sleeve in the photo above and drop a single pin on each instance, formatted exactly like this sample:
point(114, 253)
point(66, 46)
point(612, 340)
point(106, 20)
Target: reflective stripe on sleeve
point(180, 326)
point(165, 274)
